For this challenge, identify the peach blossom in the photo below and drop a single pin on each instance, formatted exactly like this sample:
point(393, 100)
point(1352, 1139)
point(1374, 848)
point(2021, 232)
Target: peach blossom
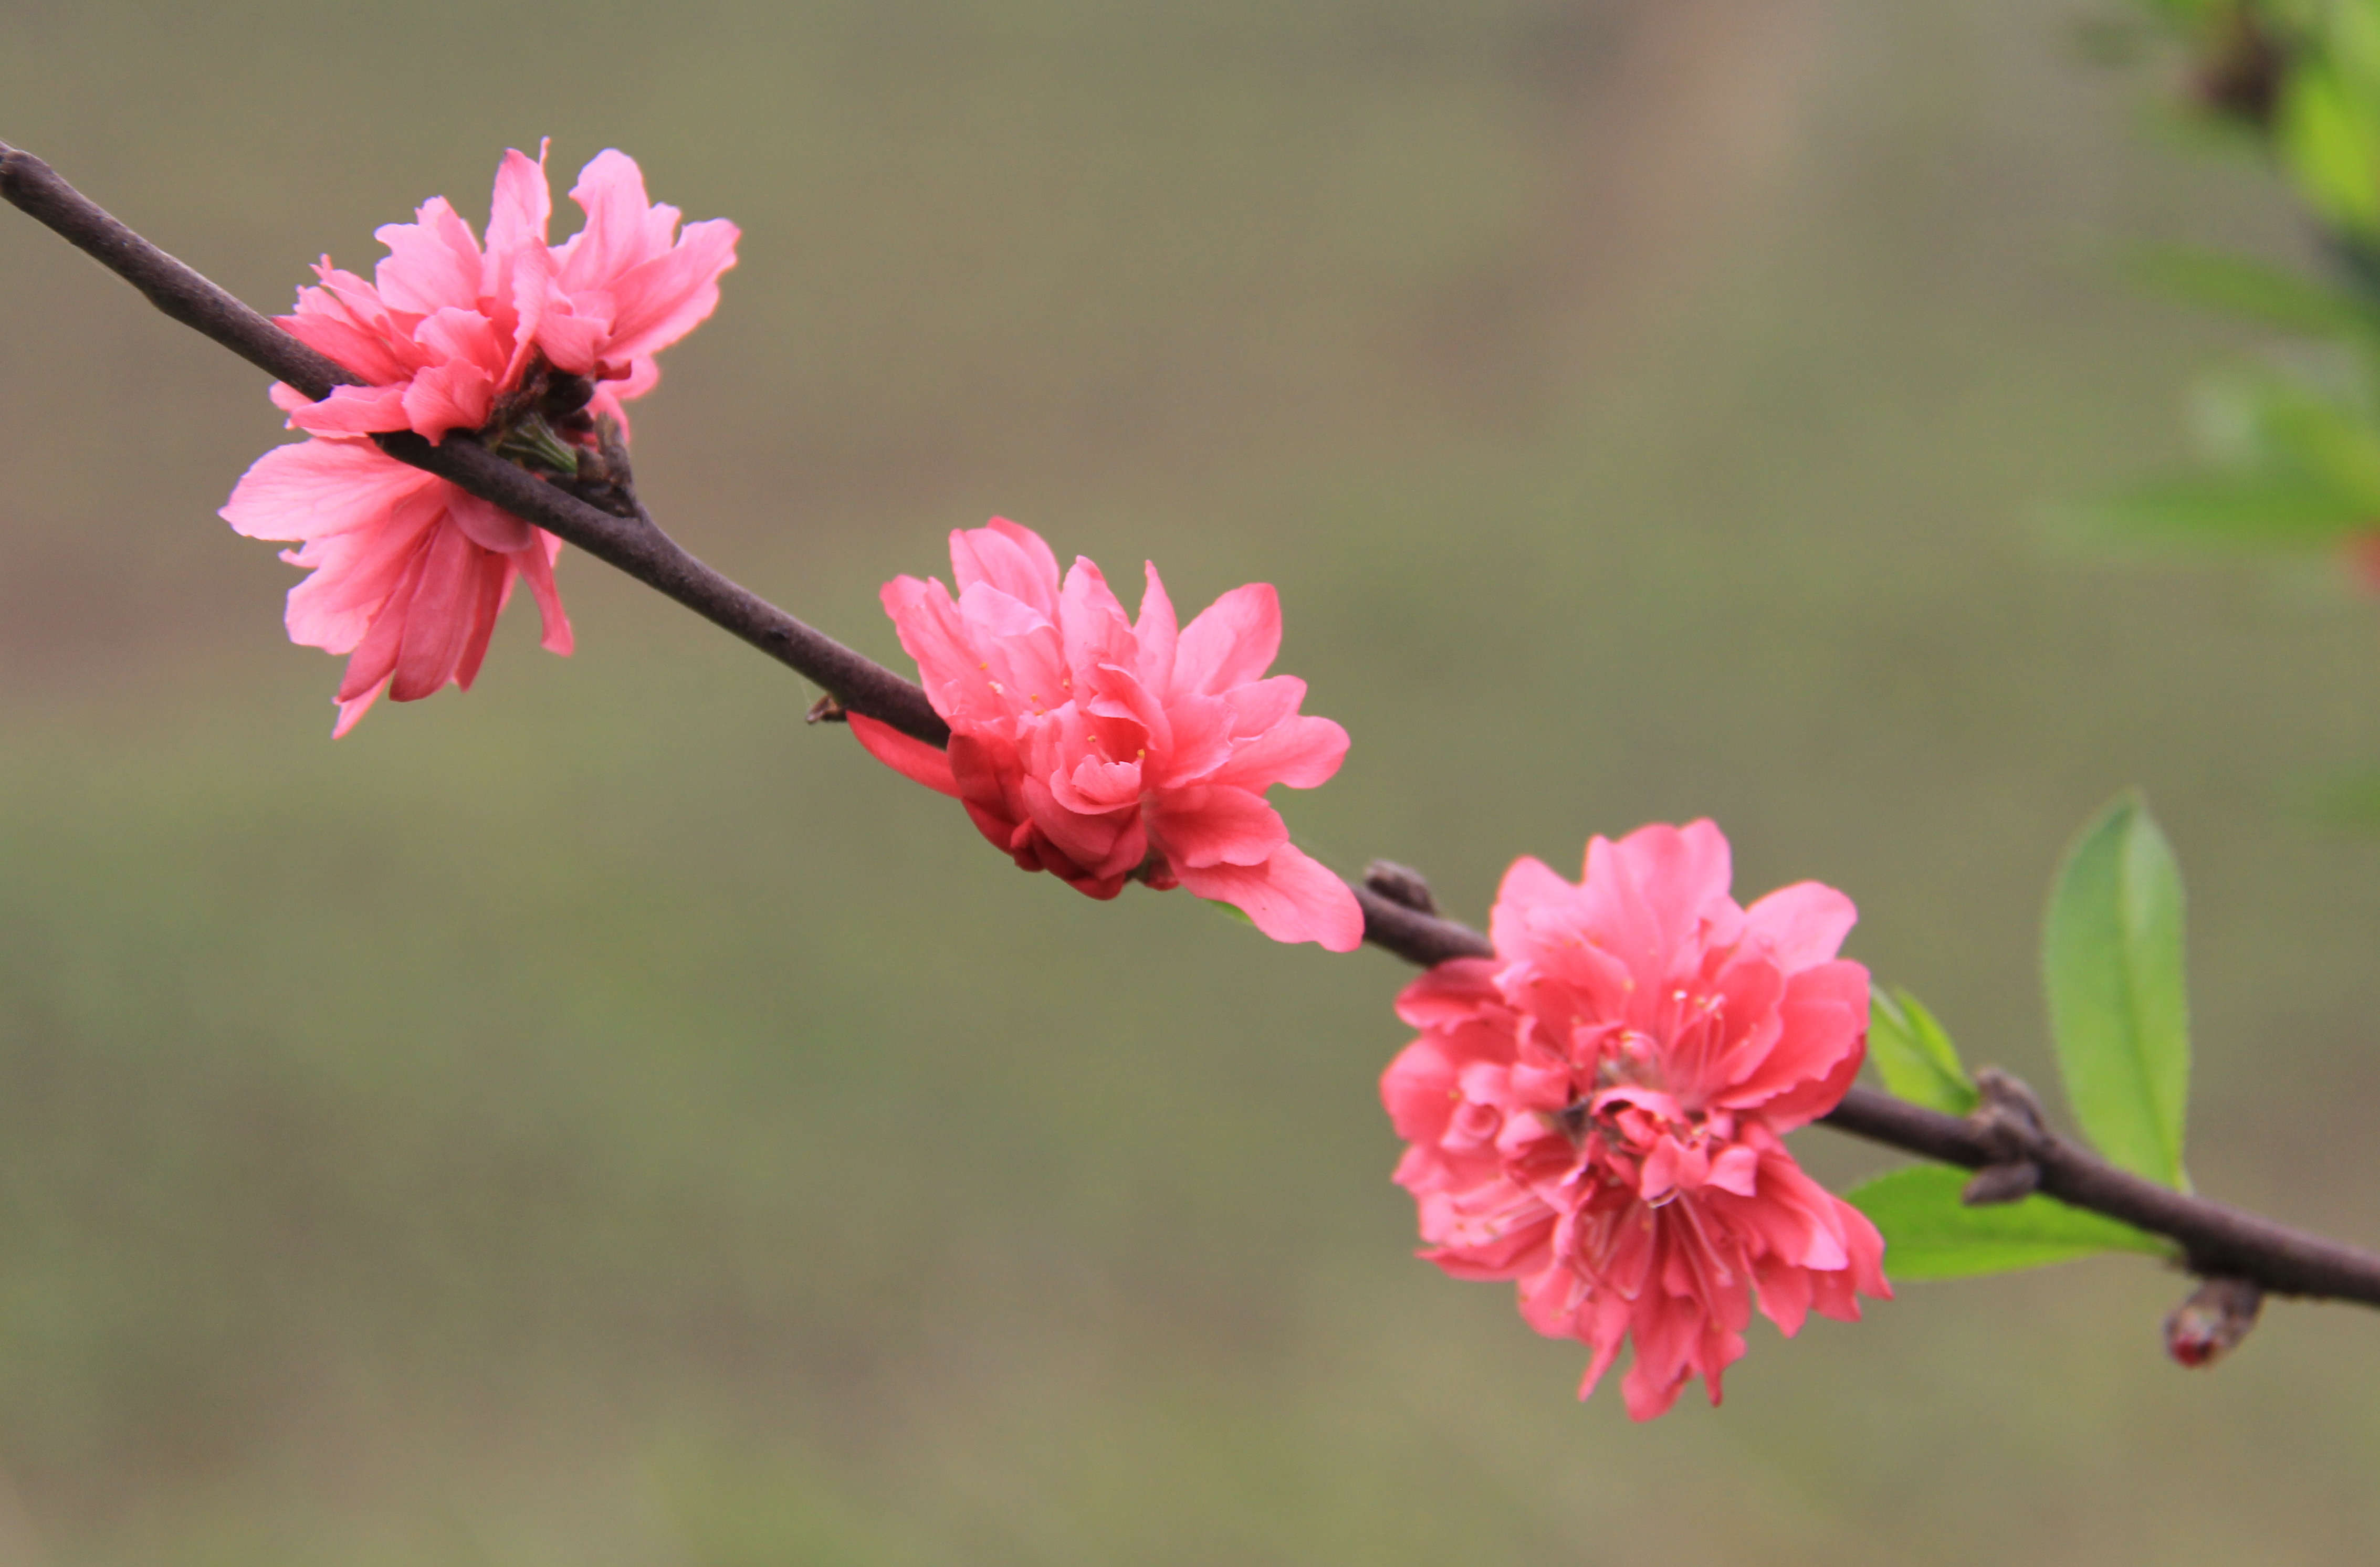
point(517, 337)
point(1105, 750)
point(1597, 1112)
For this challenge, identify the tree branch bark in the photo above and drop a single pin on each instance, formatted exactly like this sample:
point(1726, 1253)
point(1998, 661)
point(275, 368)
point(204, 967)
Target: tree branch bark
point(2216, 1239)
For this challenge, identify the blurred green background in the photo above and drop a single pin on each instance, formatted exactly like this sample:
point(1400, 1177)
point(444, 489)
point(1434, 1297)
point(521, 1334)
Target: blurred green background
point(598, 1119)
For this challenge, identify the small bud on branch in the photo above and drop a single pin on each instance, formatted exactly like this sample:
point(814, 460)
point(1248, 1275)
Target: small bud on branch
point(2211, 1322)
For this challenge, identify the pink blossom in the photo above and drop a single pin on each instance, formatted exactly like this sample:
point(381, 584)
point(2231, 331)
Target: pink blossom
point(523, 342)
point(1105, 750)
point(1597, 1110)
point(408, 573)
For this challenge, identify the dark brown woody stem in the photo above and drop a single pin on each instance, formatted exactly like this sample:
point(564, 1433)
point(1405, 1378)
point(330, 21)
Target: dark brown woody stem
point(2214, 1239)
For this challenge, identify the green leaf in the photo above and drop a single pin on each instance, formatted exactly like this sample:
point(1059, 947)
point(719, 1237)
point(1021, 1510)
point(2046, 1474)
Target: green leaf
point(2327, 140)
point(2238, 287)
point(1929, 1233)
point(2119, 1009)
point(2243, 511)
point(1915, 1055)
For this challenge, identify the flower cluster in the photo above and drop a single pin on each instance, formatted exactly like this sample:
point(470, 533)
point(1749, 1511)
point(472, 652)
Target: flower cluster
point(1105, 750)
point(527, 343)
point(1597, 1110)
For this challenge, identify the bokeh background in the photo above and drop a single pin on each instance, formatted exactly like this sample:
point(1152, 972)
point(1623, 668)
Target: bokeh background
point(596, 1119)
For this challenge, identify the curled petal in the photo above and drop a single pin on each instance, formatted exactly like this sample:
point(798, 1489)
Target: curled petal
point(433, 263)
point(535, 562)
point(1155, 633)
point(1231, 642)
point(1301, 752)
point(488, 524)
point(659, 301)
point(913, 758)
point(350, 410)
point(1218, 826)
point(1291, 897)
point(1013, 559)
point(522, 205)
point(1803, 924)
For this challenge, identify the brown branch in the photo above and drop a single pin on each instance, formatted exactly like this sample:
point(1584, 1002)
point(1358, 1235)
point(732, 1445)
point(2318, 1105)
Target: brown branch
point(2216, 1239)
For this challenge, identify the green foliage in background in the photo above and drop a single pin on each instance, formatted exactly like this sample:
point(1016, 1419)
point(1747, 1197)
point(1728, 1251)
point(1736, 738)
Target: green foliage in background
point(2291, 447)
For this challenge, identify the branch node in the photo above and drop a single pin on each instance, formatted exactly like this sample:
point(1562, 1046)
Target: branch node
point(826, 709)
point(2009, 1115)
point(2010, 1118)
point(2210, 1324)
point(2001, 1182)
point(1401, 884)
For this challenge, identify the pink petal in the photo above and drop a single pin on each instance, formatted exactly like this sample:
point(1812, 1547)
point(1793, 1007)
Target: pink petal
point(1300, 751)
point(932, 633)
point(366, 353)
point(455, 395)
point(1455, 991)
point(1650, 894)
point(1234, 640)
point(1261, 704)
point(351, 578)
point(1086, 839)
point(913, 758)
point(661, 300)
point(1530, 891)
point(439, 622)
point(432, 263)
point(1016, 665)
point(1205, 826)
point(1198, 745)
point(1803, 924)
point(1819, 1048)
point(1093, 624)
point(572, 340)
point(522, 204)
point(1290, 897)
point(1010, 558)
point(486, 524)
point(1418, 1091)
point(367, 668)
point(1093, 786)
point(352, 410)
point(352, 710)
point(1155, 633)
point(536, 562)
point(318, 487)
point(621, 223)
point(1737, 1170)
point(494, 585)
point(1785, 1295)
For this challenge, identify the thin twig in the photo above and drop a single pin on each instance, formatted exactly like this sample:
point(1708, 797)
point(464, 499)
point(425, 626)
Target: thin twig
point(2216, 1239)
